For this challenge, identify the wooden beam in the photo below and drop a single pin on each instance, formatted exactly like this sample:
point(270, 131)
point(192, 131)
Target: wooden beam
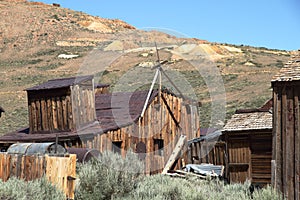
point(170, 111)
point(174, 156)
point(297, 144)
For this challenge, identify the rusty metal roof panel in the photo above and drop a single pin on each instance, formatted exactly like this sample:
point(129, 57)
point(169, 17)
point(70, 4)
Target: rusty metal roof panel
point(120, 109)
point(23, 135)
point(291, 70)
point(60, 83)
point(84, 154)
point(101, 85)
point(249, 121)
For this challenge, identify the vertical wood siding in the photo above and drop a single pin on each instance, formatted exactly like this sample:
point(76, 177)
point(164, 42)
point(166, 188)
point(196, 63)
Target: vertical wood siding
point(286, 139)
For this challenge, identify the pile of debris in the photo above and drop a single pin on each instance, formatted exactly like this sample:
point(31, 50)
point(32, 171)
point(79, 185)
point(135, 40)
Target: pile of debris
point(202, 171)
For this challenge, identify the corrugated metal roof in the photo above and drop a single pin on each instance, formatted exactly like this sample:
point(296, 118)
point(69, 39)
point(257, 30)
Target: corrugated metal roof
point(291, 70)
point(249, 121)
point(60, 83)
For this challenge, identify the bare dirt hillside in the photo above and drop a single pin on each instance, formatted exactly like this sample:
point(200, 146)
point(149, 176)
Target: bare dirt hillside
point(39, 42)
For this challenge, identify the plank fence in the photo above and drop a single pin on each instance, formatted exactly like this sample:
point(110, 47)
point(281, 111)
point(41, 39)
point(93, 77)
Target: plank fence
point(60, 171)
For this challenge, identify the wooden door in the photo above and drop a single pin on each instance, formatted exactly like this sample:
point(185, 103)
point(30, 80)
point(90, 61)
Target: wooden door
point(239, 159)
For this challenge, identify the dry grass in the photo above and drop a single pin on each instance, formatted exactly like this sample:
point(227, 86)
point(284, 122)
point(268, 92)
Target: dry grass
point(29, 53)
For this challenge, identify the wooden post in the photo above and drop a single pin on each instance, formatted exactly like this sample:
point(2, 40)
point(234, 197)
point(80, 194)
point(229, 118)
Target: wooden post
point(290, 143)
point(297, 144)
point(278, 133)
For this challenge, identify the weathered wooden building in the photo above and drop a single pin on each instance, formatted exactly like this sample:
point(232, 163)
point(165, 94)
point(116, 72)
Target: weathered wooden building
point(286, 132)
point(243, 146)
point(71, 111)
point(209, 148)
point(248, 136)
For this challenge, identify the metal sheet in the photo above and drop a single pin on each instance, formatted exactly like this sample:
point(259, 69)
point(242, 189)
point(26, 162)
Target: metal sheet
point(44, 148)
point(18, 148)
point(35, 148)
point(205, 169)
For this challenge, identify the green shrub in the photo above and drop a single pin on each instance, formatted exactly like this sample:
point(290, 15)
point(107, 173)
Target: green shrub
point(109, 176)
point(267, 193)
point(16, 189)
point(159, 187)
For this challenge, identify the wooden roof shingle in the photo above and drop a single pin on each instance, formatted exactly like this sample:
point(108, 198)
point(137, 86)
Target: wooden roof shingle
point(249, 121)
point(291, 70)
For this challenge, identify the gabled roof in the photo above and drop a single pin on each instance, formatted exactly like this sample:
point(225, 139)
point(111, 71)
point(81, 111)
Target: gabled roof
point(120, 109)
point(251, 119)
point(291, 70)
point(60, 83)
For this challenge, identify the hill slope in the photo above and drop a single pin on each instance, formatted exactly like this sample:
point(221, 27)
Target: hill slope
point(33, 35)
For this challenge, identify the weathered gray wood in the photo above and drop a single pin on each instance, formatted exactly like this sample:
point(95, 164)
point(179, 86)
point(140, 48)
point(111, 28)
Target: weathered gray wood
point(279, 146)
point(44, 115)
point(290, 142)
point(38, 115)
point(297, 144)
point(284, 143)
point(174, 154)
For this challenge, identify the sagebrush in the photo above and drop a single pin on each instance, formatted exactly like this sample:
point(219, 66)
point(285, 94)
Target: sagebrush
point(159, 187)
point(16, 189)
point(109, 176)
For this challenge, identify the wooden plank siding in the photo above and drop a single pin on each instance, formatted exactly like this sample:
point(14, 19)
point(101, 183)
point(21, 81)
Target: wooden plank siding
point(286, 140)
point(261, 155)
point(249, 156)
point(157, 124)
point(207, 152)
point(245, 155)
point(58, 170)
point(239, 158)
point(49, 114)
point(63, 109)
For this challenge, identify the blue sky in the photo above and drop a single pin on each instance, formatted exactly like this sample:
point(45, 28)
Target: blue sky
point(263, 23)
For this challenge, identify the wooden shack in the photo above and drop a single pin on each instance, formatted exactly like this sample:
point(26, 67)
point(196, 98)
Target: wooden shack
point(58, 105)
point(248, 136)
point(148, 122)
point(286, 132)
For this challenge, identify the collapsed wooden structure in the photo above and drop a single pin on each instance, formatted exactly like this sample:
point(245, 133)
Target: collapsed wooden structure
point(78, 114)
point(286, 132)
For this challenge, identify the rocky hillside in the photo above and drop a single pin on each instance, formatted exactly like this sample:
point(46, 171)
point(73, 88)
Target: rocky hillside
point(39, 42)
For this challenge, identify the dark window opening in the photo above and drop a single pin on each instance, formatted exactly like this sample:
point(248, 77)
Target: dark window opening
point(158, 147)
point(116, 147)
point(141, 150)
